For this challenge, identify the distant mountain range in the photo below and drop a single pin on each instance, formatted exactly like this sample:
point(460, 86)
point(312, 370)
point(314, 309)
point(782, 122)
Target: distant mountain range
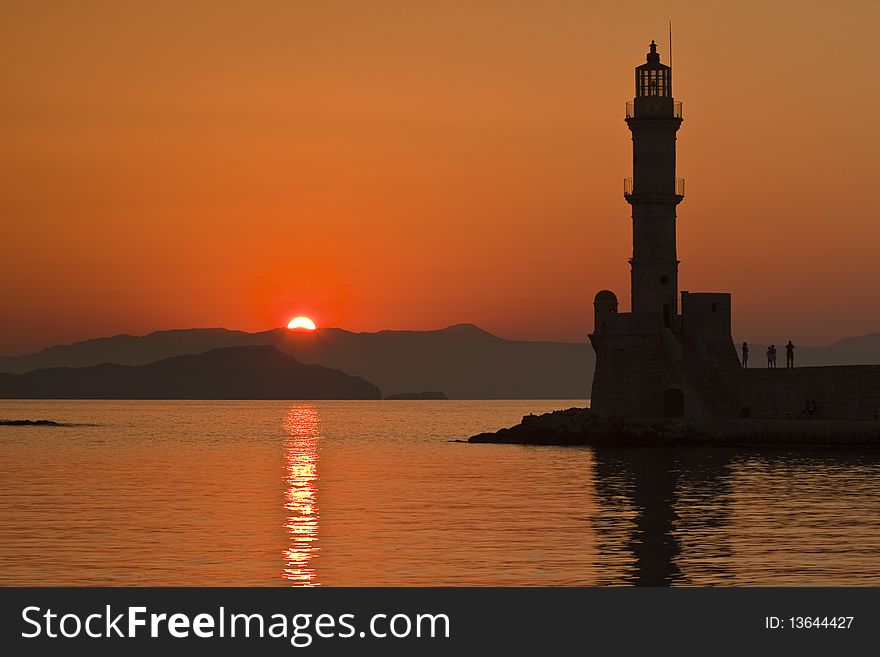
point(252, 372)
point(461, 361)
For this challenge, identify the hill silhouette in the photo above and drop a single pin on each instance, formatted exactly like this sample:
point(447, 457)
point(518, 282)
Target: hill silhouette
point(463, 361)
point(133, 349)
point(249, 372)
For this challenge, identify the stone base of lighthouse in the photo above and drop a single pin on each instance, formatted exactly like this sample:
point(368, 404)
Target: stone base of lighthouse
point(690, 369)
point(647, 369)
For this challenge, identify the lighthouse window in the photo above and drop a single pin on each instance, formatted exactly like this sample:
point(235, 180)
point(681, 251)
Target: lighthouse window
point(664, 280)
point(714, 307)
point(652, 82)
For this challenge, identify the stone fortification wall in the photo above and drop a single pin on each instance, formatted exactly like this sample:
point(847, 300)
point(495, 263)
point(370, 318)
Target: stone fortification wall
point(844, 392)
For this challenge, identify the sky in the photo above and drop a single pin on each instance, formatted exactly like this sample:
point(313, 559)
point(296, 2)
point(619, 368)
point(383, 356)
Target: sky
point(411, 165)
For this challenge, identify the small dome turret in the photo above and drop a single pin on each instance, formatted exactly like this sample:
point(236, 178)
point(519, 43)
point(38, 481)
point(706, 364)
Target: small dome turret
point(605, 298)
point(604, 306)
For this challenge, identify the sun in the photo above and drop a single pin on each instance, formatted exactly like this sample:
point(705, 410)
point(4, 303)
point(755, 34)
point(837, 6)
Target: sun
point(301, 323)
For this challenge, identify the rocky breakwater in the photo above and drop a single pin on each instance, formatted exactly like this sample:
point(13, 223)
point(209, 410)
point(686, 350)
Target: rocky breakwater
point(578, 426)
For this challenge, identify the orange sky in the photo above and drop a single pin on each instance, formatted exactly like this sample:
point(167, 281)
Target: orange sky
point(417, 164)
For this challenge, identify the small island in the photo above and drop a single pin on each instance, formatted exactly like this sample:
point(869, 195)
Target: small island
point(30, 423)
point(417, 395)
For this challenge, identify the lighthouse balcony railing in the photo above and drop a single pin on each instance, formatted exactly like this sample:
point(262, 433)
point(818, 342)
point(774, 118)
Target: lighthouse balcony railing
point(631, 111)
point(629, 188)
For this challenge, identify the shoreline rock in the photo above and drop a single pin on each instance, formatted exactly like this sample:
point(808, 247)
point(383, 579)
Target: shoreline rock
point(578, 426)
point(30, 423)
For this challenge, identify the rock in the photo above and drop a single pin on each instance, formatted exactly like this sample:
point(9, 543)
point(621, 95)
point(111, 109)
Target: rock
point(577, 426)
point(30, 423)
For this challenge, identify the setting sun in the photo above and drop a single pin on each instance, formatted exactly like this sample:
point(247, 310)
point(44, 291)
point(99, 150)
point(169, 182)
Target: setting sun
point(301, 323)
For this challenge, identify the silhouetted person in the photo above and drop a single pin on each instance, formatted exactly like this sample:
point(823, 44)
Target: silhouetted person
point(811, 408)
point(789, 354)
point(771, 356)
point(745, 351)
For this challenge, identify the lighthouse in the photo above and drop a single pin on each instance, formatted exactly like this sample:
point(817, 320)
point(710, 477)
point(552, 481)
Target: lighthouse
point(656, 359)
point(654, 192)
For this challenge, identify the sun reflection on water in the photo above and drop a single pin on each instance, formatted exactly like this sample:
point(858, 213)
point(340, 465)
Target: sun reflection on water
point(300, 494)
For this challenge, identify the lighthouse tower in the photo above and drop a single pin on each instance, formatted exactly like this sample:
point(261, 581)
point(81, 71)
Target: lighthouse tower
point(654, 117)
point(663, 358)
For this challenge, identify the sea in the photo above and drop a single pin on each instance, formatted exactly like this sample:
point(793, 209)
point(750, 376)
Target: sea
point(381, 493)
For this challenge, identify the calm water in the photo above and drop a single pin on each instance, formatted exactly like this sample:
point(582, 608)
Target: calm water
point(371, 493)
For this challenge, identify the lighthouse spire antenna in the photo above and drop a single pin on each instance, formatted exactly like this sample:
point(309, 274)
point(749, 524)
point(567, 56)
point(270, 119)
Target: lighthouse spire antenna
point(670, 44)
